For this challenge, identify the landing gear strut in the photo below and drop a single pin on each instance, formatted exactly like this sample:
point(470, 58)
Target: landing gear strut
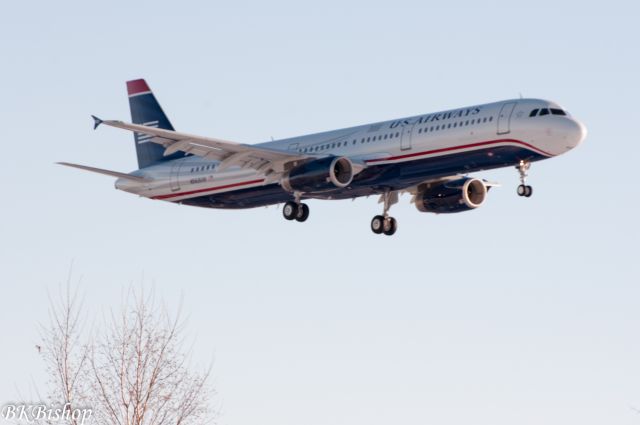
point(384, 223)
point(523, 189)
point(296, 210)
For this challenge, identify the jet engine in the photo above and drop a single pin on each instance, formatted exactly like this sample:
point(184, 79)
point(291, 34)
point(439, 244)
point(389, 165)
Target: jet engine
point(451, 196)
point(319, 175)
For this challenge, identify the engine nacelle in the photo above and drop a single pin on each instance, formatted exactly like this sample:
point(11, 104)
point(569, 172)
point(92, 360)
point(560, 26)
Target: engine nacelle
point(319, 175)
point(452, 196)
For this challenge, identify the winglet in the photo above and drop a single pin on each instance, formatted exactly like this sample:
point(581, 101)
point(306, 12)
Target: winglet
point(96, 121)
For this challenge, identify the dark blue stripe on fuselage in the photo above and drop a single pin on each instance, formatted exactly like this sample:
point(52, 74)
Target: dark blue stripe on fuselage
point(376, 179)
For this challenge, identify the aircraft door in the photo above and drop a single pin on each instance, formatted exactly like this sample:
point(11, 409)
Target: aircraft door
point(174, 176)
point(406, 135)
point(293, 147)
point(504, 119)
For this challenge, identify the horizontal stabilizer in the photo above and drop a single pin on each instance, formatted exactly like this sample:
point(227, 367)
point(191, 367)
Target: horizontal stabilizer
point(96, 121)
point(106, 172)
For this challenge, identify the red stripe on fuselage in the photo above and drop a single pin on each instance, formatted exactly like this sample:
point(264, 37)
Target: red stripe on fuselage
point(470, 145)
point(227, 186)
point(391, 158)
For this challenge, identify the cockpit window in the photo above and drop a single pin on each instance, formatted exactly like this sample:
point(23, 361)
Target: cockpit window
point(558, 112)
point(544, 111)
point(534, 113)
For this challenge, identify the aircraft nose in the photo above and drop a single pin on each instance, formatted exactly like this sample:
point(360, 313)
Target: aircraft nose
point(576, 133)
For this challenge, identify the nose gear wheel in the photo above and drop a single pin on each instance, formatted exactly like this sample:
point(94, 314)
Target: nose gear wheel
point(524, 189)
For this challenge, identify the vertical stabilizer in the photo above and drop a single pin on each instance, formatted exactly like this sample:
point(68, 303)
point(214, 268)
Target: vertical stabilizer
point(146, 110)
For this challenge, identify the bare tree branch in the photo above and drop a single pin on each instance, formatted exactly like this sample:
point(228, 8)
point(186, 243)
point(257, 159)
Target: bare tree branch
point(134, 371)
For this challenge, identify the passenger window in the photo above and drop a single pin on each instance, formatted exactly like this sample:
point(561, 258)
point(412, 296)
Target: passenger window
point(385, 136)
point(558, 111)
point(544, 111)
point(490, 118)
point(397, 134)
point(534, 113)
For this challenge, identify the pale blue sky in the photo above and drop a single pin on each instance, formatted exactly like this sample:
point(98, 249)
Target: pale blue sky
point(523, 311)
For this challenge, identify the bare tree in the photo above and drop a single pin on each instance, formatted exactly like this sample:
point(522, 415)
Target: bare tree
point(66, 355)
point(134, 371)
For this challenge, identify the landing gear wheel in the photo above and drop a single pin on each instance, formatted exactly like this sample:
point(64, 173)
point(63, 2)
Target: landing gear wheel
point(377, 224)
point(302, 213)
point(523, 189)
point(290, 210)
point(390, 226)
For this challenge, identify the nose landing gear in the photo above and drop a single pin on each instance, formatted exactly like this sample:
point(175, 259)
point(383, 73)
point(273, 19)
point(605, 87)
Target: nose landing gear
point(523, 189)
point(384, 223)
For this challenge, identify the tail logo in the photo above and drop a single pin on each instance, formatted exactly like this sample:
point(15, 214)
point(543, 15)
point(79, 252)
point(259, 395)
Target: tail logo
point(146, 138)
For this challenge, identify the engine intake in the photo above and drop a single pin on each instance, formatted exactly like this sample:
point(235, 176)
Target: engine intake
point(319, 175)
point(452, 196)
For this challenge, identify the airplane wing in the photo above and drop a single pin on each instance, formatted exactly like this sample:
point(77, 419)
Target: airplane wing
point(229, 153)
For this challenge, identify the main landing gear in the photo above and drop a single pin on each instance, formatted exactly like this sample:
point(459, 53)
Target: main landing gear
point(523, 189)
point(296, 210)
point(384, 223)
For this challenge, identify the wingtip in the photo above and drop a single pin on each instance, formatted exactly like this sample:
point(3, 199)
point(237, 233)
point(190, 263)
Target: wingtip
point(96, 121)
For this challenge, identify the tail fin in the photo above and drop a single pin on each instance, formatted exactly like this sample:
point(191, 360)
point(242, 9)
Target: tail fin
point(146, 110)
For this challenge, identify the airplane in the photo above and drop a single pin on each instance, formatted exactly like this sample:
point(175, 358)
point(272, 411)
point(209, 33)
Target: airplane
point(428, 156)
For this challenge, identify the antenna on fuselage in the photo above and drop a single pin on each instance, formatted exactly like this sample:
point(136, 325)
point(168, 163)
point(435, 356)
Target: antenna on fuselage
point(520, 95)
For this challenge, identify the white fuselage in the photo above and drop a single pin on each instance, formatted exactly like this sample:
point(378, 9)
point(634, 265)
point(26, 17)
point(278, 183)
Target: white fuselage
point(504, 129)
